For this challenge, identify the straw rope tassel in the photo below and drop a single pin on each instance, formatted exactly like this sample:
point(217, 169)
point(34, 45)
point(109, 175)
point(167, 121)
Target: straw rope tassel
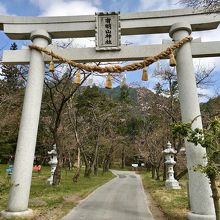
point(108, 83)
point(172, 60)
point(144, 74)
point(51, 67)
point(77, 79)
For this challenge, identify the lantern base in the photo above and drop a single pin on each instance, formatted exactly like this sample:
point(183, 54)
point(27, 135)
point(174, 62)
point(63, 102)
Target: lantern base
point(172, 184)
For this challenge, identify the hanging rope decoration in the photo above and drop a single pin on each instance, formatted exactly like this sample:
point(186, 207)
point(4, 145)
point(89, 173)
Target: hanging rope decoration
point(77, 79)
point(172, 60)
point(51, 67)
point(108, 83)
point(144, 74)
point(116, 68)
point(169, 52)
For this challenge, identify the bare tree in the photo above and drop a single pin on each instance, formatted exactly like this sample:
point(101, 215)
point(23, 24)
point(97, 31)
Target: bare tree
point(208, 5)
point(60, 88)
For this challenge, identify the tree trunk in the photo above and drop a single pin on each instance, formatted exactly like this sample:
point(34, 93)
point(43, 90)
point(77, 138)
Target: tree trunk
point(88, 170)
point(78, 166)
point(107, 160)
point(69, 162)
point(105, 167)
point(96, 169)
point(181, 174)
point(164, 171)
point(157, 173)
point(106, 164)
point(153, 172)
point(57, 173)
point(96, 161)
point(158, 168)
point(215, 197)
point(86, 161)
point(123, 158)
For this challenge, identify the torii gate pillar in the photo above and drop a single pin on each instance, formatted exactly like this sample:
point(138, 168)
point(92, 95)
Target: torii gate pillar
point(21, 177)
point(200, 195)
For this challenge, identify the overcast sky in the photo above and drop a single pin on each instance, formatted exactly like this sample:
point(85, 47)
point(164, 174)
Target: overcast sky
point(84, 7)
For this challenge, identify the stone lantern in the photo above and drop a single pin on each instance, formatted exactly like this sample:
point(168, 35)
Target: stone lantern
point(53, 163)
point(169, 153)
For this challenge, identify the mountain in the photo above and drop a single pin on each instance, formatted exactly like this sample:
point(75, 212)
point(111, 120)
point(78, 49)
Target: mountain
point(115, 92)
point(211, 108)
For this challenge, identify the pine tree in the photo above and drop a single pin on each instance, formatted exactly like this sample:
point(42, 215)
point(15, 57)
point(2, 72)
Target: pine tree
point(12, 74)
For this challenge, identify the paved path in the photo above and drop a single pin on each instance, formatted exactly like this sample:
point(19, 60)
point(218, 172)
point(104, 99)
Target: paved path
point(122, 198)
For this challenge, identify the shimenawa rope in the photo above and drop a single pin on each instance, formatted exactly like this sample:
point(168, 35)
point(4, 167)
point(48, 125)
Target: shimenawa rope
point(116, 68)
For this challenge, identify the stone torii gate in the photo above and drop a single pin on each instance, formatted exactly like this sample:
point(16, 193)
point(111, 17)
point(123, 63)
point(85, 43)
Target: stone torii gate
point(41, 30)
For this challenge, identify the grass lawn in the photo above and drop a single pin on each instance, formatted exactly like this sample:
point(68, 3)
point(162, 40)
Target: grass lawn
point(173, 203)
point(53, 202)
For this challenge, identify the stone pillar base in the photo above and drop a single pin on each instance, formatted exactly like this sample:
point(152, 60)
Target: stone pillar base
point(8, 215)
point(50, 180)
point(194, 216)
point(172, 184)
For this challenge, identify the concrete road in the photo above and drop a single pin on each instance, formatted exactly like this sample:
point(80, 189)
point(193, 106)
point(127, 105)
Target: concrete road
point(122, 198)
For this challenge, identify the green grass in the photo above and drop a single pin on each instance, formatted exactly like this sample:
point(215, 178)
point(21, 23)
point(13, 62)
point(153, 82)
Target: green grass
point(173, 203)
point(53, 202)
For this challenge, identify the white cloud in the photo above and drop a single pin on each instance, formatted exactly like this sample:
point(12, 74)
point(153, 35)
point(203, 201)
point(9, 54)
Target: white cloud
point(144, 39)
point(76, 42)
point(84, 42)
point(205, 94)
point(3, 10)
point(96, 80)
point(70, 8)
point(42, 4)
point(158, 5)
point(66, 7)
point(210, 35)
point(96, 2)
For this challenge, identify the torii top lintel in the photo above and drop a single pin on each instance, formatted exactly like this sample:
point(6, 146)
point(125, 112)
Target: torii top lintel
point(20, 28)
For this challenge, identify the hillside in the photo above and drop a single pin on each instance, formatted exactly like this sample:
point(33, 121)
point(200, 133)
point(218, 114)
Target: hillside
point(115, 92)
point(211, 108)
